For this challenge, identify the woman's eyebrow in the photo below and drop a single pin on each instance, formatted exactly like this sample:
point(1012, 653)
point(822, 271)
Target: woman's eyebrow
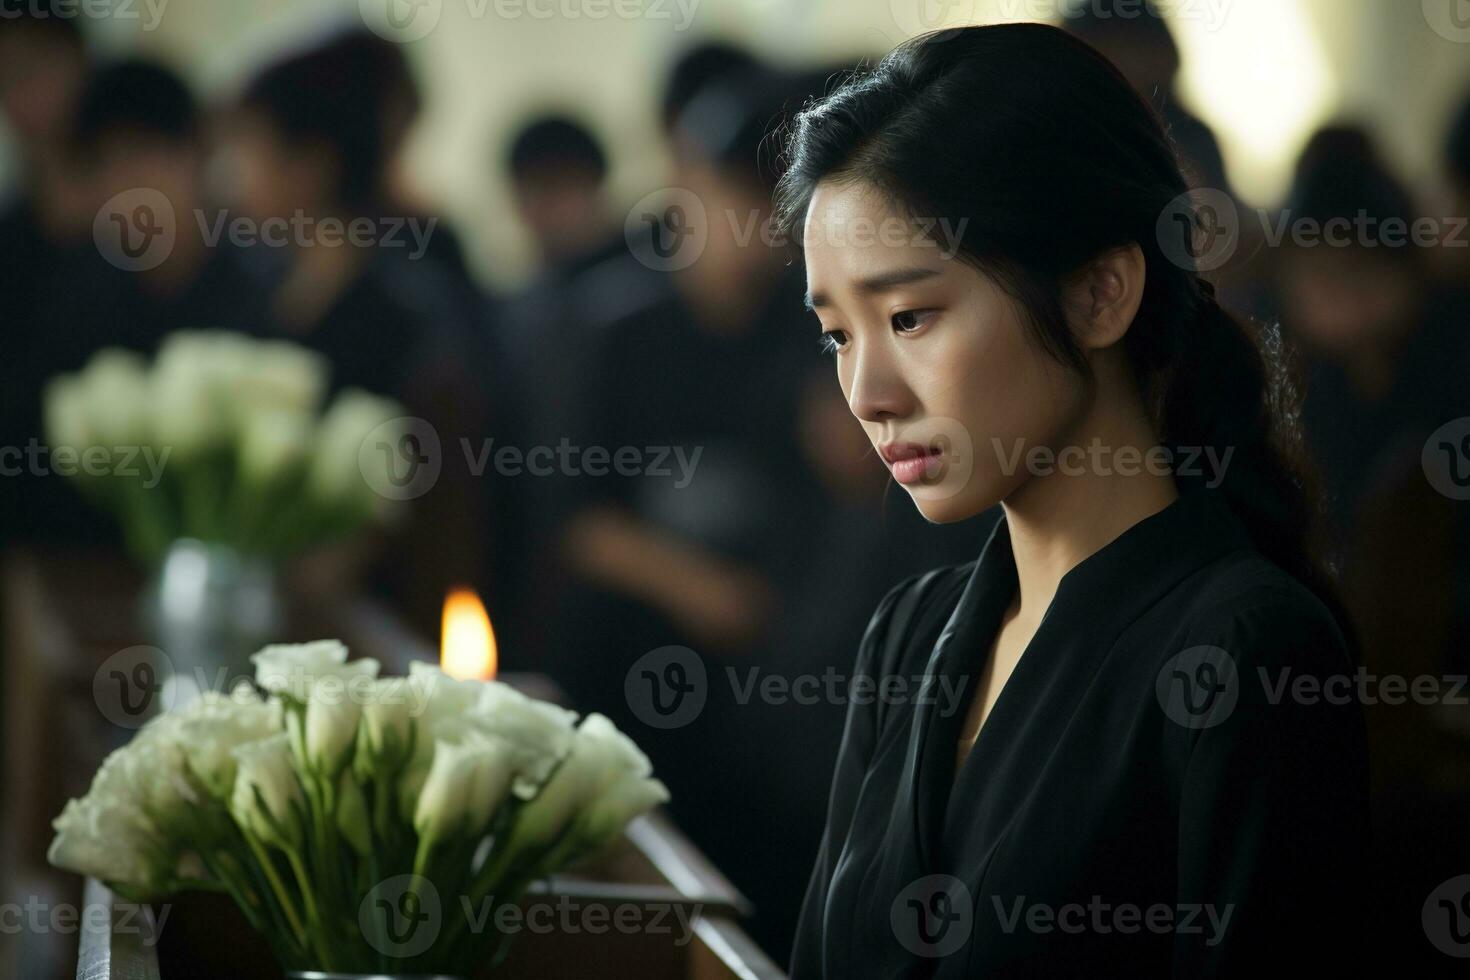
point(877, 284)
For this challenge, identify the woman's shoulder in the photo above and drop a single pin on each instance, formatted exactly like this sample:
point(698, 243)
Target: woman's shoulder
point(908, 619)
point(1261, 614)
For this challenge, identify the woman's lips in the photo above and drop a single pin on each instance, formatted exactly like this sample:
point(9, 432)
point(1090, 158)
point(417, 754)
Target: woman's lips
point(913, 466)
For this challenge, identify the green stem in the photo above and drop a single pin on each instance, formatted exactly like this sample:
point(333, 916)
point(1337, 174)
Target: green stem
point(317, 933)
point(278, 887)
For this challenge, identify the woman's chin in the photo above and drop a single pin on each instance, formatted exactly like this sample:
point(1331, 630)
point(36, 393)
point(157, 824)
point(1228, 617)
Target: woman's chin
point(940, 504)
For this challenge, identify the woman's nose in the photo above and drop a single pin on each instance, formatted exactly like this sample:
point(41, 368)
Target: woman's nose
point(877, 390)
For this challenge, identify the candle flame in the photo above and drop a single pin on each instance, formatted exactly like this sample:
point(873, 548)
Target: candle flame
point(467, 650)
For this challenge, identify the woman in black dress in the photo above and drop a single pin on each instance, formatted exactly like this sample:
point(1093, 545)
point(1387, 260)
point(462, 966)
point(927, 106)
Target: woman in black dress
point(1121, 742)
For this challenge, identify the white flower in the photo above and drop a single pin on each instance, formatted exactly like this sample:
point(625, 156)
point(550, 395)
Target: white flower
point(209, 729)
point(466, 784)
point(440, 695)
point(190, 382)
point(109, 840)
point(336, 476)
point(292, 669)
point(332, 715)
point(600, 757)
point(106, 404)
point(66, 413)
point(540, 733)
point(272, 444)
point(280, 376)
point(389, 713)
point(267, 793)
point(629, 796)
point(158, 771)
point(116, 385)
point(110, 833)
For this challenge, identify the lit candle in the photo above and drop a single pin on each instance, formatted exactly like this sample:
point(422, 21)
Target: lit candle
point(467, 649)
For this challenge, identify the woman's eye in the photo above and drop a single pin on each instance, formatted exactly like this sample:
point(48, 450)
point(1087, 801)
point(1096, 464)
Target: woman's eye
point(907, 321)
point(832, 341)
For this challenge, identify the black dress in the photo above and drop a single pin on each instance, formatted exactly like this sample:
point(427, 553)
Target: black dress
point(1145, 799)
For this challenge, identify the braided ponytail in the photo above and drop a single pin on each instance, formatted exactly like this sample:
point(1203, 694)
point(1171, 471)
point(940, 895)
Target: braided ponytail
point(1234, 390)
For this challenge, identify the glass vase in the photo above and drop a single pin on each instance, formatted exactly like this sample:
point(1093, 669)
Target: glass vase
point(208, 608)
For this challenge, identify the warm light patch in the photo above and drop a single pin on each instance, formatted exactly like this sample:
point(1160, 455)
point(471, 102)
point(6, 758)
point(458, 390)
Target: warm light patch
point(467, 650)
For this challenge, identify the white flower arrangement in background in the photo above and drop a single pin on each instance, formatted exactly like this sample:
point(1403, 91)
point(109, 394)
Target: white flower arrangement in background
point(221, 438)
point(299, 802)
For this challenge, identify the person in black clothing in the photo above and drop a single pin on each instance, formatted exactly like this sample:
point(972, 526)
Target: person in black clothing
point(1083, 767)
point(859, 533)
point(138, 129)
point(44, 222)
point(309, 144)
point(1386, 357)
point(1379, 361)
point(138, 143)
point(550, 330)
point(709, 376)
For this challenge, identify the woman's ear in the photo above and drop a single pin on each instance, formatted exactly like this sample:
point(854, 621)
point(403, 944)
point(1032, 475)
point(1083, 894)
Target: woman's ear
point(1104, 297)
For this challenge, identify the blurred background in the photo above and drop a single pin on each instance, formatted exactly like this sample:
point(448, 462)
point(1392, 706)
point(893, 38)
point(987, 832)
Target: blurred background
point(483, 210)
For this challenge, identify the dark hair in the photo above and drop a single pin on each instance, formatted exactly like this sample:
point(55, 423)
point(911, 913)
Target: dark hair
point(1053, 159)
point(138, 96)
point(1103, 22)
point(1339, 175)
point(694, 69)
point(555, 141)
point(730, 122)
point(335, 95)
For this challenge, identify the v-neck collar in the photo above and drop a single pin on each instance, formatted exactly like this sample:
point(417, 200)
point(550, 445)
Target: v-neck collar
point(1094, 602)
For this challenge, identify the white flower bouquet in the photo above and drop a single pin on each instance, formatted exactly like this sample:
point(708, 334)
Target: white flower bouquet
point(326, 799)
point(221, 439)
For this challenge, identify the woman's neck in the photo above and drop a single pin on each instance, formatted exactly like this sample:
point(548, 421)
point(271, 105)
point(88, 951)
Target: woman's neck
point(1059, 518)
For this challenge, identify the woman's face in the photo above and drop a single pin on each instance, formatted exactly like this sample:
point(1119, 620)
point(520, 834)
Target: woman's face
point(931, 352)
